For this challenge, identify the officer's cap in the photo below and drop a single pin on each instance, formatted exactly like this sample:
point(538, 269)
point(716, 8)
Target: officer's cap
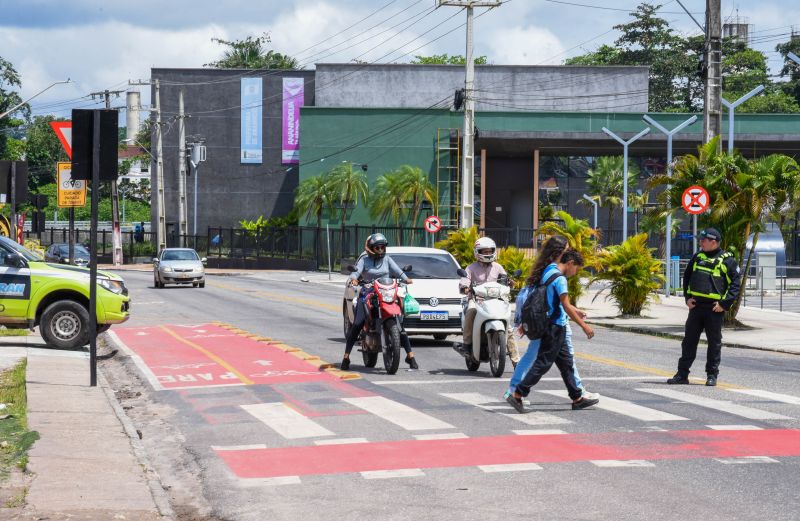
point(711, 233)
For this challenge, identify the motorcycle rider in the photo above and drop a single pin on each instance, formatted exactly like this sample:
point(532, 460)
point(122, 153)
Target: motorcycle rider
point(375, 265)
point(484, 269)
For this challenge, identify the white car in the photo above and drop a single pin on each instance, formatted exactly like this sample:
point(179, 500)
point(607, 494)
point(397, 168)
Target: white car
point(179, 266)
point(435, 276)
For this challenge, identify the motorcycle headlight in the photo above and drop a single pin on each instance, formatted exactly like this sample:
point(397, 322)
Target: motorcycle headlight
point(114, 286)
point(493, 292)
point(387, 295)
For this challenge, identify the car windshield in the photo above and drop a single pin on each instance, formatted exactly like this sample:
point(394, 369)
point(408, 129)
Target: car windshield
point(427, 266)
point(24, 252)
point(79, 250)
point(180, 255)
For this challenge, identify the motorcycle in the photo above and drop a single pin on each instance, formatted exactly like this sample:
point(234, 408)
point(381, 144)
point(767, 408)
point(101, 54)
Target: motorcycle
point(493, 311)
point(383, 328)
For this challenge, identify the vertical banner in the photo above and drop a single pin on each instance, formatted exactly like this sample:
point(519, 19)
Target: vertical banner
point(293, 98)
point(251, 149)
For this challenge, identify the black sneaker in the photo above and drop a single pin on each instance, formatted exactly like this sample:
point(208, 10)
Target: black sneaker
point(584, 403)
point(711, 381)
point(516, 403)
point(345, 365)
point(678, 379)
point(412, 362)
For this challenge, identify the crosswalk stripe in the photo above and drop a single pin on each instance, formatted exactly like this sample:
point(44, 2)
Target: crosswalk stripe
point(627, 409)
point(610, 463)
point(734, 428)
point(720, 405)
point(286, 421)
point(783, 398)
point(510, 467)
point(481, 401)
point(397, 413)
point(387, 474)
point(445, 436)
point(340, 441)
point(744, 460)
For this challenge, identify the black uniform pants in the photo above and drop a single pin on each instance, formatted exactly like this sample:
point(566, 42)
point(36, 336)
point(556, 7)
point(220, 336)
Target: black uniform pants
point(552, 349)
point(702, 318)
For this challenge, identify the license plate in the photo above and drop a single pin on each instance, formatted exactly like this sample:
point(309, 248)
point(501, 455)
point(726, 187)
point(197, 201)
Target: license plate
point(184, 275)
point(434, 315)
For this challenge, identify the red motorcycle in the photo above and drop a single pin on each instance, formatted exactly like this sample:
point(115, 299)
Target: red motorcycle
point(383, 328)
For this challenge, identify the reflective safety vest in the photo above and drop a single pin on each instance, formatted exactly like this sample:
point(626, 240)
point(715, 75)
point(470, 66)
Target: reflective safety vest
point(710, 277)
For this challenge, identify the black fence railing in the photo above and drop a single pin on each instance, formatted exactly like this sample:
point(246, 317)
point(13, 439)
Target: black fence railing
point(134, 246)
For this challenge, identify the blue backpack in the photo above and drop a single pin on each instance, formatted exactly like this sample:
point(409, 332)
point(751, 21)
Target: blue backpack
point(536, 316)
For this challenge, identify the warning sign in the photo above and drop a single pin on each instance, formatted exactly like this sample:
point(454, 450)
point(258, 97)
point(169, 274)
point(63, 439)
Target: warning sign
point(71, 192)
point(695, 200)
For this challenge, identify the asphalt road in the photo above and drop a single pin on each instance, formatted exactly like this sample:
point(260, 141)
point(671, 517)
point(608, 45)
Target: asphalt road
point(647, 453)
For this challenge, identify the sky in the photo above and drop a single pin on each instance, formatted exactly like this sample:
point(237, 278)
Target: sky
point(102, 44)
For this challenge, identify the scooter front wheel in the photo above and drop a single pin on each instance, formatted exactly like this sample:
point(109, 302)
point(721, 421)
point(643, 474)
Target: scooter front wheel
point(391, 347)
point(497, 352)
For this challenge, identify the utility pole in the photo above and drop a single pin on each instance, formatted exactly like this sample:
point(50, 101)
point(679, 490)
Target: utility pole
point(712, 108)
point(116, 234)
point(182, 211)
point(468, 156)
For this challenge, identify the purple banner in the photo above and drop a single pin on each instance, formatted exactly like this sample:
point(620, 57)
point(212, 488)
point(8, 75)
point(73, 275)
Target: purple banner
point(293, 97)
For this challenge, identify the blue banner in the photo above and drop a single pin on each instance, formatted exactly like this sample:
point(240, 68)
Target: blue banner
point(252, 148)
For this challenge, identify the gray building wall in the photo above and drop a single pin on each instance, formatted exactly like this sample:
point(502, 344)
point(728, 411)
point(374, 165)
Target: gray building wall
point(498, 88)
point(228, 190)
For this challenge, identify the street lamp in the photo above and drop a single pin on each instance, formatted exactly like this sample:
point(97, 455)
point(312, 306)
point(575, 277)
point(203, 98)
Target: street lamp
point(625, 145)
point(18, 105)
point(732, 109)
point(669, 134)
point(594, 203)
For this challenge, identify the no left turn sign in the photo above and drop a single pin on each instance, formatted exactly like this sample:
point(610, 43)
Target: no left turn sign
point(433, 224)
point(695, 200)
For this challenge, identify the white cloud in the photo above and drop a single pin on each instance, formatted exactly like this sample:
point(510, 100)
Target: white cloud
point(525, 46)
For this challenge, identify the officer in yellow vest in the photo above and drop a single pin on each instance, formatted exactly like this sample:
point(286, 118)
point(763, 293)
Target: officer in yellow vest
point(710, 286)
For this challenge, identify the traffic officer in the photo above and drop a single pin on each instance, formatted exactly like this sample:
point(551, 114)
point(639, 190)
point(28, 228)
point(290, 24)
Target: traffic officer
point(710, 286)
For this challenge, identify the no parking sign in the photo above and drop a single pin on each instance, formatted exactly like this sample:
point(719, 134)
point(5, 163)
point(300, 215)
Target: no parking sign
point(433, 224)
point(695, 200)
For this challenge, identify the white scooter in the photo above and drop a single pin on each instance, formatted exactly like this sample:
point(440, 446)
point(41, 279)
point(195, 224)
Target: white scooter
point(489, 342)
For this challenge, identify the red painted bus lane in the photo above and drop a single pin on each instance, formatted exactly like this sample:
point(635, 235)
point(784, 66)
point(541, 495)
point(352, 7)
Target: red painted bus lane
point(499, 450)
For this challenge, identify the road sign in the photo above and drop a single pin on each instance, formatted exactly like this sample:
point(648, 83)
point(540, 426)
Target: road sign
point(695, 200)
point(433, 224)
point(63, 130)
point(71, 192)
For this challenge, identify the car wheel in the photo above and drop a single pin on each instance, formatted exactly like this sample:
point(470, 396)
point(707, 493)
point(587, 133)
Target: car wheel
point(202, 284)
point(440, 336)
point(65, 325)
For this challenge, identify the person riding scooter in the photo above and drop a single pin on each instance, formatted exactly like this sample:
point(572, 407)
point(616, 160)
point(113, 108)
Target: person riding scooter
point(484, 269)
point(375, 265)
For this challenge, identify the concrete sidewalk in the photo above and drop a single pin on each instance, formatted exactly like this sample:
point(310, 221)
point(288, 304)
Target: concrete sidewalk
point(767, 329)
point(84, 464)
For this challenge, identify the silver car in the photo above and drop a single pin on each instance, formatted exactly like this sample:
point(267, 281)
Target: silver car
point(179, 266)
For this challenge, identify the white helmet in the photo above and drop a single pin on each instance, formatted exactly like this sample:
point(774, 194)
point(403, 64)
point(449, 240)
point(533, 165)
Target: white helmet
point(485, 243)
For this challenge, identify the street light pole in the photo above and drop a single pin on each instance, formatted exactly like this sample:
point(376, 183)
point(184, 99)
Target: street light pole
point(732, 109)
point(669, 134)
point(594, 203)
point(18, 105)
point(625, 145)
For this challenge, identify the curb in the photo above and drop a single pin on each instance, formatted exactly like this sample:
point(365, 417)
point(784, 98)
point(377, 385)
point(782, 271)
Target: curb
point(160, 497)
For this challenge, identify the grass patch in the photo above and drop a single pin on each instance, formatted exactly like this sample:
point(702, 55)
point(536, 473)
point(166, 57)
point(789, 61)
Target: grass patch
point(13, 332)
point(15, 438)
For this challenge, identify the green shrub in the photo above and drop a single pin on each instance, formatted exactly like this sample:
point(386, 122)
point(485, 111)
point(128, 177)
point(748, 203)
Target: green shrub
point(461, 244)
point(512, 259)
point(634, 274)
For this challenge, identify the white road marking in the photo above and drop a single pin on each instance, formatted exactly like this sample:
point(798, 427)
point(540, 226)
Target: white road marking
point(221, 448)
point(445, 381)
point(611, 463)
point(531, 418)
point(734, 428)
point(744, 460)
point(143, 369)
point(511, 467)
point(445, 436)
point(397, 413)
point(340, 441)
point(387, 474)
point(286, 421)
point(783, 398)
point(627, 408)
point(719, 405)
point(537, 432)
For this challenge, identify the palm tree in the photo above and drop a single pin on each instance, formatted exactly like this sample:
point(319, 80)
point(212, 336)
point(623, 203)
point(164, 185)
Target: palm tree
point(250, 53)
point(348, 187)
point(313, 196)
point(582, 238)
point(387, 198)
point(785, 174)
point(605, 182)
point(417, 188)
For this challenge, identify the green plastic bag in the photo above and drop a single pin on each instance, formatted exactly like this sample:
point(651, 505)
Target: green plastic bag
point(410, 305)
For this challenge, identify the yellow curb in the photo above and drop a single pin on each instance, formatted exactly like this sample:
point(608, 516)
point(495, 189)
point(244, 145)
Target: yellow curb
point(321, 364)
point(286, 348)
point(262, 338)
point(343, 375)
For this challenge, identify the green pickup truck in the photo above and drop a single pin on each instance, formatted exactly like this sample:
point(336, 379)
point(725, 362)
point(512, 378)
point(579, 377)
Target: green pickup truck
point(55, 297)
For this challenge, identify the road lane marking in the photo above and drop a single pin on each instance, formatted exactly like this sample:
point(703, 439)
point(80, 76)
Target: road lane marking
point(397, 413)
point(719, 405)
point(340, 441)
point(746, 460)
point(537, 432)
point(734, 427)
point(144, 370)
point(531, 418)
point(388, 474)
point(256, 446)
point(286, 421)
point(277, 296)
point(445, 436)
point(245, 380)
point(510, 467)
point(627, 408)
point(494, 380)
point(611, 463)
point(783, 398)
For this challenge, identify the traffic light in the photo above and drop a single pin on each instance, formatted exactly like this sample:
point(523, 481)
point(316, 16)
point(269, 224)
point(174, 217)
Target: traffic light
point(83, 143)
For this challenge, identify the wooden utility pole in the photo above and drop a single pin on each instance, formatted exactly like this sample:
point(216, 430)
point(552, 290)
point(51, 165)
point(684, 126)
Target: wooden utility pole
point(712, 108)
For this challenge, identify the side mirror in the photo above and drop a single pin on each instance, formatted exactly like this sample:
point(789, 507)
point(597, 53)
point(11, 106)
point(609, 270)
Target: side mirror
point(408, 267)
point(462, 272)
point(14, 260)
point(351, 268)
point(155, 260)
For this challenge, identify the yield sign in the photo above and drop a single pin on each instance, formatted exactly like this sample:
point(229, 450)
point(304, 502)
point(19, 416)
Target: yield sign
point(695, 200)
point(433, 224)
point(63, 130)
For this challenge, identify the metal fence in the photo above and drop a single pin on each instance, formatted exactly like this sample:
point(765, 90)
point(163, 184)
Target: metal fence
point(132, 249)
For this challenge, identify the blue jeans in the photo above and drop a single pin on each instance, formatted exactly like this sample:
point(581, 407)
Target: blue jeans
point(526, 362)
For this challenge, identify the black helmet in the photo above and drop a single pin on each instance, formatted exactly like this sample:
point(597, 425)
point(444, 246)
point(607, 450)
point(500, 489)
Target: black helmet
point(371, 244)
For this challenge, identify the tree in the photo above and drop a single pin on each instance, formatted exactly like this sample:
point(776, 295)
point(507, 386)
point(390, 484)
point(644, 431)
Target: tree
point(348, 186)
point(251, 53)
point(417, 189)
point(9, 78)
point(605, 182)
point(314, 196)
point(790, 69)
point(388, 198)
point(446, 59)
